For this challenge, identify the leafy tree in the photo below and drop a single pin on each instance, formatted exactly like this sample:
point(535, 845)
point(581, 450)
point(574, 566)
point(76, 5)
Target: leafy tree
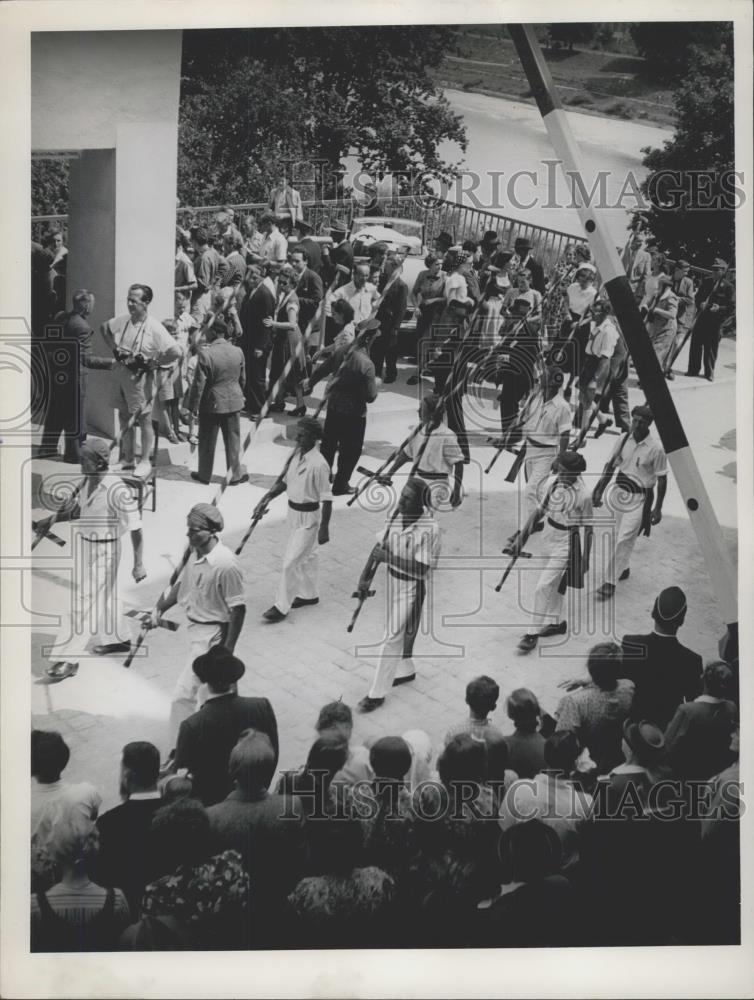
point(668, 46)
point(698, 224)
point(571, 34)
point(254, 99)
point(49, 187)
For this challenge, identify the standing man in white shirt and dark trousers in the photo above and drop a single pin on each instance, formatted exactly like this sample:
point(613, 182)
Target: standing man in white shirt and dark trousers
point(411, 551)
point(642, 466)
point(546, 432)
point(307, 482)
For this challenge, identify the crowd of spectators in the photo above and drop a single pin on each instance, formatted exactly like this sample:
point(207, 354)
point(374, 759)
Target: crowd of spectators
point(612, 822)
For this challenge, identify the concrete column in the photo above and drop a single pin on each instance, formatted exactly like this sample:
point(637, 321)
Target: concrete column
point(91, 264)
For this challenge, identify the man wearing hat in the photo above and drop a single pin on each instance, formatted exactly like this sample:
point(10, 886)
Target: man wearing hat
point(661, 318)
point(211, 590)
point(206, 738)
point(641, 465)
point(106, 510)
point(664, 671)
point(307, 482)
point(341, 251)
point(643, 747)
point(527, 262)
point(715, 302)
point(217, 397)
point(683, 287)
point(488, 247)
point(569, 510)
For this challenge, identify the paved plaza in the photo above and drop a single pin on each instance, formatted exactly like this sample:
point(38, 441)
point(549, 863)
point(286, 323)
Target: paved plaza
point(310, 658)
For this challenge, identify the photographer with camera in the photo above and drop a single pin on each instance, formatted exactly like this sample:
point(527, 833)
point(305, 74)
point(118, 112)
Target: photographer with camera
point(140, 344)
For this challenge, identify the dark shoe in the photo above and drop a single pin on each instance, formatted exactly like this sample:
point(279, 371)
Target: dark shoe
point(61, 670)
point(549, 630)
point(625, 574)
point(369, 704)
point(412, 380)
point(669, 376)
point(691, 374)
point(112, 647)
point(273, 614)
point(276, 408)
point(601, 428)
point(389, 379)
point(606, 591)
point(528, 642)
point(299, 411)
point(403, 680)
point(304, 602)
point(710, 378)
point(241, 479)
point(198, 478)
point(343, 491)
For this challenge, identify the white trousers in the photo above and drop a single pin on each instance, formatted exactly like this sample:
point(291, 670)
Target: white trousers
point(95, 613)
point(189, 695)
point(629, 517)
point(537, 466)
point(401, 598)
point(548, 603)
point(300, 561)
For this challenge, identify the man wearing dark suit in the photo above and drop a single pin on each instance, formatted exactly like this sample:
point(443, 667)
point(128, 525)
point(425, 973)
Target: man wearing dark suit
point(341, 252)
point(308, 288)
point(303, 241)
point(390, 314)
point(123, 858)
point(256, 342)
point(522, 247)
point(266, 830)
point(217, 396)
point(664, 672)
point(715, 302)
point(206, 738)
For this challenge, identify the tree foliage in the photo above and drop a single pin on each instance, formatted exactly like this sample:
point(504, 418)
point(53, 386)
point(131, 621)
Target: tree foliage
point(700, 224)
point(255, 99)
point(570, 34)
point(669, 46)
point(49, 187)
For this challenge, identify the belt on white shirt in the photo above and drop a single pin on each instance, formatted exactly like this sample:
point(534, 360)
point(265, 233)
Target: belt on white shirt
point(194, 621)
point(306, 507)
point(559, 526)
point(402, 576)
point(432, 475)
point(539, 444)
point(100, 541)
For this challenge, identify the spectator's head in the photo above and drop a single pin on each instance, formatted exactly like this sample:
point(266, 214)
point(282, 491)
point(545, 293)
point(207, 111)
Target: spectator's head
point(659, 263)
point(717, 679)
point(523, 709)
point(82, 302)
point(643, 743)
point(327, 756)
point(392, 263)
point(570, 466)
point(481, 696)
point(219, 669)
point(182, 300)
point(600, 309)
point(464, 759)
point(443, 242)
point(561, 751)
point(681, 268)
point(176, 786)
point(75, 839)
point(200, 238)
point(252, 762)
point(523, 280)
point(530, 851)
point(433, 263)
point(139, 768)
point(180, 835)
point(604, 665)
point(342, 312)
point(471, 247)
point(336, 844)
point(267, 222)
point(137, 301)
point(390, 758)
point(298, 260)
point(361, 275)
point(582, 252)
point(335, 718)
point(254, 276)
point(53, 240)
point(586, 274)
point(49, 755)
point(669, 610)
point(249, 224)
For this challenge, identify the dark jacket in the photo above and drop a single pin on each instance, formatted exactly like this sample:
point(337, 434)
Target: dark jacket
point(698, 739)
point(258, 305)
point(537, 275)
point(392, 309)
point(664, 673)
point(220, 379)
point(723, 296)
point(309, 292)
point(77, 340)
point(207, 737)
point(124, 859)
point(313, 253)
point(342, 254)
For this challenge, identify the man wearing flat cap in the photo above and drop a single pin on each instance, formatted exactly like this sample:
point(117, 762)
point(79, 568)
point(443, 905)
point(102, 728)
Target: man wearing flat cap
point(641, 465)
point(206, 738)
point(715, 302)
point(211, 591)
point(569, 510)
point(341, 252)
point(307, 482)
point(106, 510)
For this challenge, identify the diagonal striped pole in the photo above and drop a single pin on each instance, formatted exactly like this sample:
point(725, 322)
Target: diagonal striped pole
point(720, 567)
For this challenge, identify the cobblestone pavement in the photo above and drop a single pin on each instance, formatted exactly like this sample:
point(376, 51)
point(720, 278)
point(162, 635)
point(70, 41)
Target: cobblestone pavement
point(310, 658)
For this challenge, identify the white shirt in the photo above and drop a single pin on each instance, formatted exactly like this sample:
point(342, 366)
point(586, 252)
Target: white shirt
point(456, 287)
point(308, 478)
point(148, 336)
point(442, 451)
point(211, 585)
point(602, 339)
point(361, 299)
point(83, 797)
point(419, 540)
point(571, 504)
point(110, 511)
point(548, 420)
point(275, 247)
point(643, 462)
point(579, 299)
point(555, 802)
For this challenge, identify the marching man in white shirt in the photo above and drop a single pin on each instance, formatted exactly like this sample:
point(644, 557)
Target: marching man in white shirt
point(595, 371)
point(642, 466)
point(307, 483)
point(411, 551)
point(546, 433)
point(442, 453)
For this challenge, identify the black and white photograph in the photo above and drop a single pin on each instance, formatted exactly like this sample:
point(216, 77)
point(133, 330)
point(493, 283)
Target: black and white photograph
point(377, 495)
